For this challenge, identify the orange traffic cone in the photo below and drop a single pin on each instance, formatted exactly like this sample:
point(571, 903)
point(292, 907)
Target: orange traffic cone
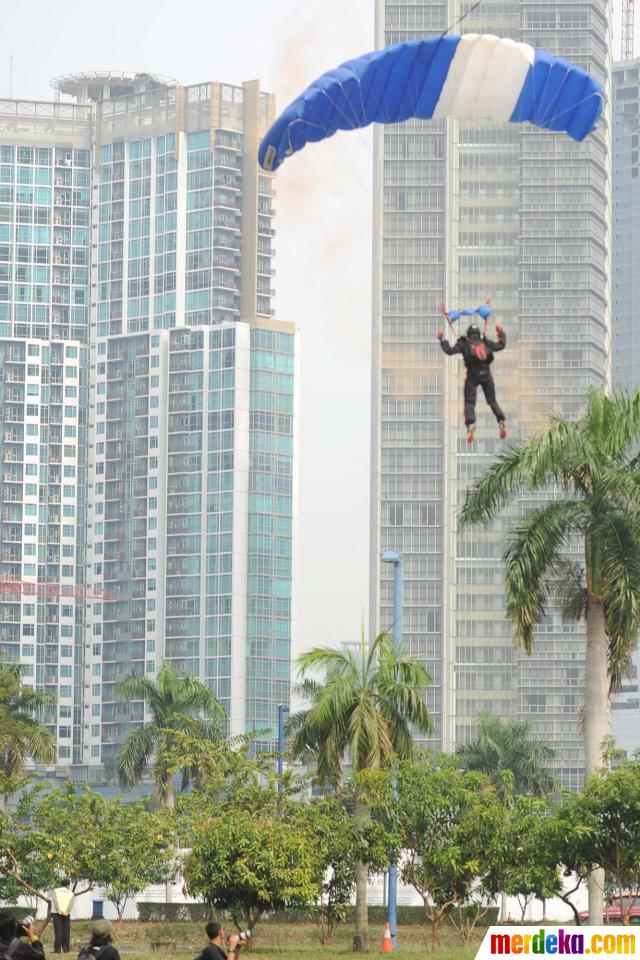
point(387, 946)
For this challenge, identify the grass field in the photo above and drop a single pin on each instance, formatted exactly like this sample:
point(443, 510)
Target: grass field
point(287, 941)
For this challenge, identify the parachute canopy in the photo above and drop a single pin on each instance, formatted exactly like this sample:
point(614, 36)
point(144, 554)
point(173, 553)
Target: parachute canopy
point(476, 75)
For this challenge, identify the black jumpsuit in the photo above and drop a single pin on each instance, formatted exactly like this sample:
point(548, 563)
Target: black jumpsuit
point(477, 353)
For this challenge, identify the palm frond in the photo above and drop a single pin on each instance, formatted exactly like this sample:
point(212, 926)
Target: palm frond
point(361, 709)
point(330, 659)
point(509, 746)
point(546, 457)
point(570, 589)
point(613, 423)
point(529, 561)
point(136, 755)
point(619, 533)
point(138, 687)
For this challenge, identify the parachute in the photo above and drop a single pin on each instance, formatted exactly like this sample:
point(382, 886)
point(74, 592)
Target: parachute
point(475, 75)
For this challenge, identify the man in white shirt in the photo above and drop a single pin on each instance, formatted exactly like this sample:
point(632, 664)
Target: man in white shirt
point(61, 903)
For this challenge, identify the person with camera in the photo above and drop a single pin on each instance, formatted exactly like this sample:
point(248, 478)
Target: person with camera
point(217, 937)
point(18, 938)
point(101, 943)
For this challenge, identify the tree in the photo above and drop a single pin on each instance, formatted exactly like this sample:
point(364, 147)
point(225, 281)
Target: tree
point(448, 823)
point(248, 861)
point(177, 703)
point(509, 745)
point(340, 842)
point(92, 840)
point(22, 736)
point(600, 827)
point(590, 468)
point(362, 709)
point(526, 865)
point(139, 851)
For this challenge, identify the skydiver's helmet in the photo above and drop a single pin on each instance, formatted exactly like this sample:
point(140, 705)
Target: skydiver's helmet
point(473, 331)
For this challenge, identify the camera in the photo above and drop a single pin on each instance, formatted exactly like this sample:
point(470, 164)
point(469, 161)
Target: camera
point(243, 936)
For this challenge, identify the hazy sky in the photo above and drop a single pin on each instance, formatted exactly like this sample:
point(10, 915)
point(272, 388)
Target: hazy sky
point(323, 243)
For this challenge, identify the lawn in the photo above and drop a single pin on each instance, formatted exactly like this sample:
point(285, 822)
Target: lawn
point(271, 940)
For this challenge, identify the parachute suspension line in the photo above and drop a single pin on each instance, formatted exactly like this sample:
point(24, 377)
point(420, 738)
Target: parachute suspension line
point(460, 19)
point(486, 315)
point(356, 125)
point(443, 311)
point(337, 187)
point(572, 107)
point(544, 118)
point(338, 109)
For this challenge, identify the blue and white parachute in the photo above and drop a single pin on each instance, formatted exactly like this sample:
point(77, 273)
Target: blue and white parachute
point(476, 75)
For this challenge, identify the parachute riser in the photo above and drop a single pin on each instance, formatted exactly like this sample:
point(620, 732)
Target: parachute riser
point(452, 318)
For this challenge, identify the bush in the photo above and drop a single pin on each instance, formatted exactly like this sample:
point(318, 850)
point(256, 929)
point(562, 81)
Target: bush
point(174, 912)
point(201, 912)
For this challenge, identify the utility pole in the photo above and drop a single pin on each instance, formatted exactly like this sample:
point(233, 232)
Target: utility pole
point(392, 556)
point(627, 29)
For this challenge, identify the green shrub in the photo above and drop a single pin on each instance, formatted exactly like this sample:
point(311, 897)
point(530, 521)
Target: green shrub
point(174, 912)
point(408, 916)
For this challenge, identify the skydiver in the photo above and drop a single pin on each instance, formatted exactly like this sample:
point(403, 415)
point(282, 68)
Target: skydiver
point(477, 352)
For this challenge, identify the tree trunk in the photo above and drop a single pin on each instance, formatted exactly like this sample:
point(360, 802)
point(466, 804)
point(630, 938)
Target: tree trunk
point(167, 799)
point(361, 939)
point(597, 725)
point(503, 908)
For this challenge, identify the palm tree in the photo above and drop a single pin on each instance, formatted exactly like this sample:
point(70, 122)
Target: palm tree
point(509, 746)
point(177, 703)
point(589, 470)
point(360, 712)
point(22, 735)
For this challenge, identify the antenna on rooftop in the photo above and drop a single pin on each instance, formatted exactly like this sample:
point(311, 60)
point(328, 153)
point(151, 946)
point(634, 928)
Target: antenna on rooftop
point(627, 29)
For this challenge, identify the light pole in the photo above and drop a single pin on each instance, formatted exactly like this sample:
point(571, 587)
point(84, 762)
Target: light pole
point(282, 712)
point(392, 556)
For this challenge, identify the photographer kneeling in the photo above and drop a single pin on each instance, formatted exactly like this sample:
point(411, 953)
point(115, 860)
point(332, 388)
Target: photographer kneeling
point(18, 939)
point(217, 936)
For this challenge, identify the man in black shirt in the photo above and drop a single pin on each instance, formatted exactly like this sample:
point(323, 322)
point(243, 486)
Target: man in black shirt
point(215, 951)
point(477, 352)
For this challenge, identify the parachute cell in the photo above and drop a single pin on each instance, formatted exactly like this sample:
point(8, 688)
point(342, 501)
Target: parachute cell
point(476, 75)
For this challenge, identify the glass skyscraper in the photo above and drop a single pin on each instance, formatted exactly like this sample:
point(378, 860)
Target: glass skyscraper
point(147, 404)
point(45, 247)
point(626, 315)
point(466, 210)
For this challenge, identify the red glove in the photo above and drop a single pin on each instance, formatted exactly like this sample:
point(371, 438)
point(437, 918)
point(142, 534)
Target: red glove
point(440, 334)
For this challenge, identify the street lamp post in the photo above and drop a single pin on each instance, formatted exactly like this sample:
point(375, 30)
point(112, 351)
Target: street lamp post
point(392, 556)
point(282, 712)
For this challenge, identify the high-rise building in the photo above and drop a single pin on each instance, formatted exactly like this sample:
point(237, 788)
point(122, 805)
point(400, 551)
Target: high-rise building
point(147, 403)
point(625, 705)
point(465, 210)
point(45, 247)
